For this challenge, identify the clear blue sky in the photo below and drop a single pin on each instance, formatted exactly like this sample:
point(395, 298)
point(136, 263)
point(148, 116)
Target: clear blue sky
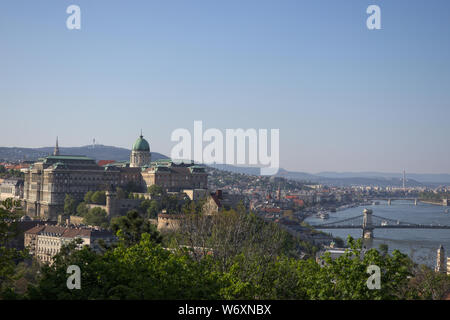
point(344, 98)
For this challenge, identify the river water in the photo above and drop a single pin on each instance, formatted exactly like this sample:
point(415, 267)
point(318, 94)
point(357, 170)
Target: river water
point(420, 244)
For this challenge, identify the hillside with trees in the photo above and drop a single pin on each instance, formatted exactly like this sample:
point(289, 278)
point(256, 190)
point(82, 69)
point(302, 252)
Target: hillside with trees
point(233, 255)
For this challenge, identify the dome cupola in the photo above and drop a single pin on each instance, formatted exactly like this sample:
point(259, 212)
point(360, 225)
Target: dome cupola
point(141, 144)
point(140, 154)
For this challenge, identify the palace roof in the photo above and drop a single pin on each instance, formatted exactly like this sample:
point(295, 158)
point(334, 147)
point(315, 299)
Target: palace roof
point(141, 145)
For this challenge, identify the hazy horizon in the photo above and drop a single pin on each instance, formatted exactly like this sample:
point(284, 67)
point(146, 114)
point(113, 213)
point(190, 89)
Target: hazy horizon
point(309, 172)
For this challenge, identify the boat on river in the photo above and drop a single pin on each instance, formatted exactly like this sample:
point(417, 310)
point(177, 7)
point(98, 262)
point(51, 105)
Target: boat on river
point(323, 215)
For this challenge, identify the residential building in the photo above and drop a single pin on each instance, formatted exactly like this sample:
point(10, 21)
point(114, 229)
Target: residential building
point(45, 241)
point(219, 200)
point(11, 188)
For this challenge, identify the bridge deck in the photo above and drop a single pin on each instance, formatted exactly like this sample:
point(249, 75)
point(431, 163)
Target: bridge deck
point(409, 199)
point(383, 227)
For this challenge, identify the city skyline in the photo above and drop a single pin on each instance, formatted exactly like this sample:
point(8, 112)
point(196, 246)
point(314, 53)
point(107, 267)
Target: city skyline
point(345, 98)
point(367, 173)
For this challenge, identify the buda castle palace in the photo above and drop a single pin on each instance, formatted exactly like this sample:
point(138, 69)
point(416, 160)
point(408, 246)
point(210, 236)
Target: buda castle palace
point(49, 179)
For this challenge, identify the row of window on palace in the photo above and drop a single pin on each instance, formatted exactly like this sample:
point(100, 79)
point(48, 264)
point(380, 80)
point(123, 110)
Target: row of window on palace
point(60, 177)
point(179, 178)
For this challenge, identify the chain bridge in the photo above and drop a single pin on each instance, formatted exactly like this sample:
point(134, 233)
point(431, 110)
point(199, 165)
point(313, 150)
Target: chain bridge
point(368, 222)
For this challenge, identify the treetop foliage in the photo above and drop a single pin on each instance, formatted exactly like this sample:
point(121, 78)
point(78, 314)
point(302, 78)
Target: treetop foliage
point(230, 255)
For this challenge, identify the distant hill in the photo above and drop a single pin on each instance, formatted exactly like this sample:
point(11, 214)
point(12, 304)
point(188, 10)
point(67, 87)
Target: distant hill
point(99, 152)
point(349, 179)
point(235, 169)
point(298, 175)
point(337, 180)
point(367, 181)
point(420, 177)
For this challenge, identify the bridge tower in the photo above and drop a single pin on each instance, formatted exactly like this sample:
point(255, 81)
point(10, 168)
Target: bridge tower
point(415, 201)
point(389, 202)
point(367, 224)
point(441, 267)
point(445, 202)
point(404, 180)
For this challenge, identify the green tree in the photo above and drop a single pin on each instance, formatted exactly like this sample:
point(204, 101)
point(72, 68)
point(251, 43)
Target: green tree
point(145, 204)
point(99, 197)
point(155, 190)
point(25, 274)
point(142, 271)
point(150, 207)
point(170, 203)
point(384, 248)
point(8, 255)
point(88, 196)
point(132, 226)
point(96, 217)
point(243, 257)
point(346, 277)
point(428, 285)
point(189, 207)
point(70, 205)
point(82, 209)
point(153, 209)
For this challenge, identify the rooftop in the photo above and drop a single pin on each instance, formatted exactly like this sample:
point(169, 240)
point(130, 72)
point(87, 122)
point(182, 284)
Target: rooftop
point(67, 157)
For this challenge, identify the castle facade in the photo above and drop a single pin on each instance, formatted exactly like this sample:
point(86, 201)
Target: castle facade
point(49, 179)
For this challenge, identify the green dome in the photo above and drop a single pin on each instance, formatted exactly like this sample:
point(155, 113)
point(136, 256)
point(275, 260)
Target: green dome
point(141, 145)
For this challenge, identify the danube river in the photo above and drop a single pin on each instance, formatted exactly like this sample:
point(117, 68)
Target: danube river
point(420, 244)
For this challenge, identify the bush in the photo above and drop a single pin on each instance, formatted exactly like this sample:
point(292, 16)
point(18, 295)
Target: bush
point(99, 197)
point(96, 217)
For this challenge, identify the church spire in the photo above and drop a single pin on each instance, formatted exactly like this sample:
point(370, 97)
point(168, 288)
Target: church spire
point(56, 151)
